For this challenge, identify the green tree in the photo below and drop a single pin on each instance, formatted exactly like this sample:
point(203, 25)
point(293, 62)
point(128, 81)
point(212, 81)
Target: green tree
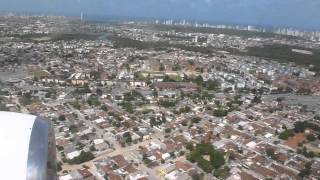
point(299, 126)
point(189, 146)
point(311, 137)
point(161, 68)
point(286, 134)
point(127, 137)
point(62, 117)
point(83, 157)
point(196, 119)
point(104, 108)
point(217, 159)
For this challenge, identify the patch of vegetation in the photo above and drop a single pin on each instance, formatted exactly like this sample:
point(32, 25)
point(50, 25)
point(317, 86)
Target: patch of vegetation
point(311, 137)
point(185, 109)
point(93, 101)
point(176, 67)
point(198, 153)
point(127, 137)
point(82, 90)
point(302, 126)
point(104, 108)
point(286, 134)
point(277, 52)
point(306, 171)
point(167, 103)
point(127, 106)
point(162, 67)
point(172, 78)
point(145, 159)
point(57, 37)
point(196, 119)
point(62, 117)
point(232, 32)
point(73, 129)
point(222, 173)
point(304, 151)
point(75, 104)
point(212, 84)
point(156, 121)
point(270, 153)
point(220, 112)
point(284, 54)
point(83, 157)
point(139, 76)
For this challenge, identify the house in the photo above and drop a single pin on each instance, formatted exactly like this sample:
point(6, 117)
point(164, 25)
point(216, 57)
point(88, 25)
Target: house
point(82, 174)
point(73, 154)
point(138, 175)
point(183, 166)
point(120, 161)
point(100, 145)
point(177, 175)
point(165, 169)
point(137, 83)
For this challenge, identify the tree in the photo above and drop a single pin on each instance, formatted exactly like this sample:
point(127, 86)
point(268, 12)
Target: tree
point(304, 91)
point(311, 137)
point(99, 92)
point(127, 106)
point(189, 146)
point(83, 157)
point(93, 101)
point(92, 148)
point(59, 166)
point(166, 103)
point(270, 153)
point(176, 67)
point(75, 105)
point(185, 109)
point(127, 137)
point(161, 68)
point(163, 118)
point(196, 119)
point(217, 159)
point(196, 155)
point(221, 172)
point(286, 134)
point(104, 108)
point(167, 130)
point(197, 176)
point(220, 112)
point(199, 80)
point(145, 159)
point(257, 99)
point(62, 117)
point(306, 171)
point(299, 126)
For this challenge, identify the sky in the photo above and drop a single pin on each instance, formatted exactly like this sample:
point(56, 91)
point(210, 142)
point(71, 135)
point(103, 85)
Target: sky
point(293, 13)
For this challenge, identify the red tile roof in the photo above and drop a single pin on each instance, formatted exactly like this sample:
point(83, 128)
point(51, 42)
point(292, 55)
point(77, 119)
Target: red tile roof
point(120, 160)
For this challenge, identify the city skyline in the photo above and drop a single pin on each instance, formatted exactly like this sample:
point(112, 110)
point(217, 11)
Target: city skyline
point(297, 13)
